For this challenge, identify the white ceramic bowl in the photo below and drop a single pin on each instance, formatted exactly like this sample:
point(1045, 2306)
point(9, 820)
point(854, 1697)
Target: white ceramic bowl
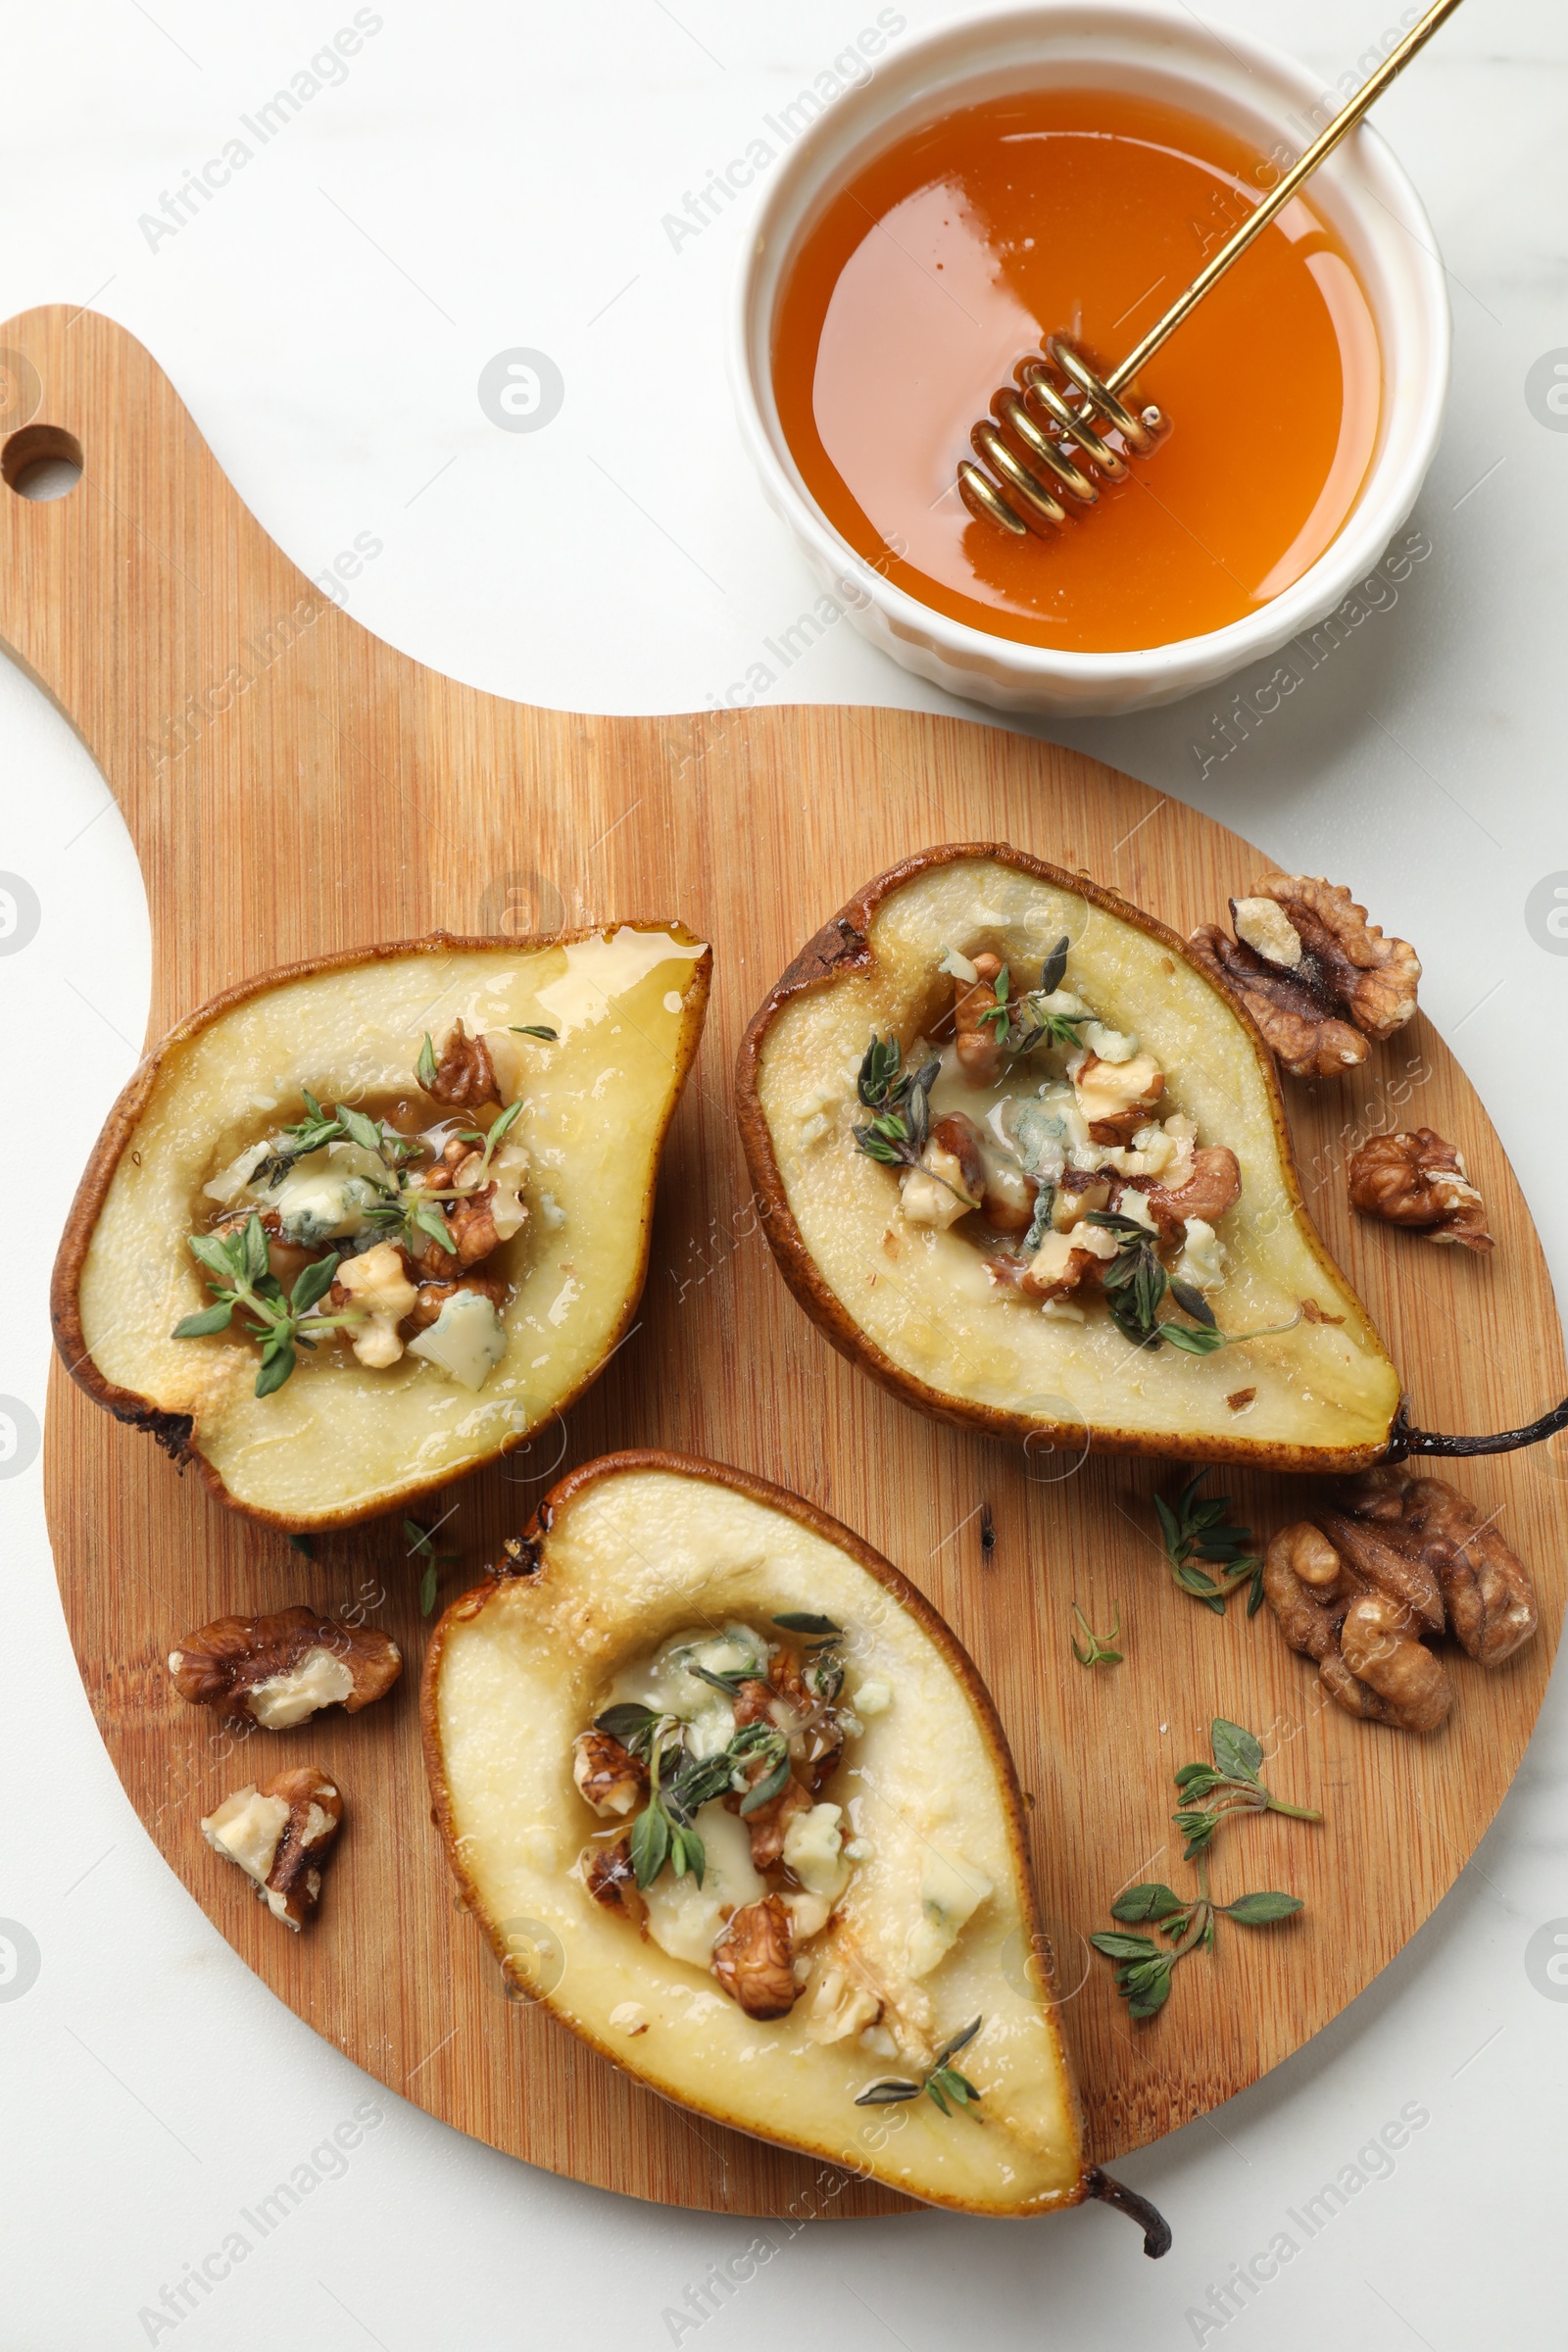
point(1163, 53)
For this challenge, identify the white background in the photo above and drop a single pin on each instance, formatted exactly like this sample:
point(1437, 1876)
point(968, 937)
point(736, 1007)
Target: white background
point(491, 176)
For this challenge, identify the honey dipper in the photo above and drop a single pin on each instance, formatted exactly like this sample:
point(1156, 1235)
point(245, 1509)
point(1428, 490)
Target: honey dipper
point(1044, 452)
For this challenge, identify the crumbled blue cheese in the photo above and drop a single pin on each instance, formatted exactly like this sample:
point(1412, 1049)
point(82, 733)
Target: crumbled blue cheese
point(551, 1214)
point(933, 1194)
point(324, 1196)
point(468, 1339)
point(951, 1891)
point(958, 965)
point(813, 1845)
point(1112, 1045)
point(667, 1684)
point(1105, 1089)
point(873, 1697)
point(1203, 1258)
point(685, 1920)
point(227, 1184)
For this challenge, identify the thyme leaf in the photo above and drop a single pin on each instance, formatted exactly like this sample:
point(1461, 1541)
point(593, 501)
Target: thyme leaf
point(534, 1029)
point(421, 1540)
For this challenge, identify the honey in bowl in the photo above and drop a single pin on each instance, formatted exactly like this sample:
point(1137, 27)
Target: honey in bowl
point(922, 282)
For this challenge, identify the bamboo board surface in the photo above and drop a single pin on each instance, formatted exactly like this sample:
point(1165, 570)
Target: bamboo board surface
point(292, 787)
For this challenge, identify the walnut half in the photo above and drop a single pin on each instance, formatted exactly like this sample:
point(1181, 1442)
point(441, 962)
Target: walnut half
point(277, 1671)
point(751, 1959)
point(280, 1836)
point(463, 1075)
point(1417, 1180)
point(1318, 978)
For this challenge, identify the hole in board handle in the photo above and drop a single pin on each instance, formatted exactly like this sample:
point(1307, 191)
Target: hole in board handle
point(41, 461)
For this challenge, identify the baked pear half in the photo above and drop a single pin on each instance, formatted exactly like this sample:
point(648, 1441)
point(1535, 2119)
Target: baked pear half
point(731, 1802)
point(364, 1223)
point(1028, 1165)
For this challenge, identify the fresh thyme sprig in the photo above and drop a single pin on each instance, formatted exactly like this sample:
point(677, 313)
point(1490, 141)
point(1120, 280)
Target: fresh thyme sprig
point(1096, 1648)
point(408, 1214)
point(1135, 1284)
point(1197, 1529)
point(1144, 1971)
point(663, 1831)
point(239, 1275)
point(343, 1123)
point(1021, 1023)
point(421, 1540)
point(473, 1135)
point(941, 2081)
point(899, 1101)
point(1233, 1781)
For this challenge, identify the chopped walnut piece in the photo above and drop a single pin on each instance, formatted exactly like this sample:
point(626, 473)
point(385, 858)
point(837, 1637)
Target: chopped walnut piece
point(1366, 1645)
point(280, 1836)
point(1344, 958)
point(751, 1959)
point(278, 1670)
point(1419, 1181)
point(1306, 1040)
point(463, 1076)
point(459, 1162)
point(608, 1874)
point(959, 1137)
point(1490, 1600)
point(979, 1047)
point(609, 1777)
point(770, 1823)
point(471, 1230)
point(1214, 1187)
point(754, 1702)
point(1061, 1264)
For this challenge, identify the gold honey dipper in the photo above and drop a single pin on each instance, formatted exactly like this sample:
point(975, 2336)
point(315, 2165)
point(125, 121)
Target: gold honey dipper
point(1028, 439)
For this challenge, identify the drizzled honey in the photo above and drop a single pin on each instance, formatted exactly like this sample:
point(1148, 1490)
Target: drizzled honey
point(1084, 211)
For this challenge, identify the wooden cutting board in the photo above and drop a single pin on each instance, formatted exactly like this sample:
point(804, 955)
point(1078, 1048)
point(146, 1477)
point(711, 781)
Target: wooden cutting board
point(293, 786)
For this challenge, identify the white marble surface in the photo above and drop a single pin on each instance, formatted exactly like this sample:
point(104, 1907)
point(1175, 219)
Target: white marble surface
point(493, 177)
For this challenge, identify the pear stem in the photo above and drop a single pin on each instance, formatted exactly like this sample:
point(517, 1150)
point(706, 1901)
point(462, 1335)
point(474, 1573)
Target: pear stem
point(1406, 1439)
point(1150, 2219)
